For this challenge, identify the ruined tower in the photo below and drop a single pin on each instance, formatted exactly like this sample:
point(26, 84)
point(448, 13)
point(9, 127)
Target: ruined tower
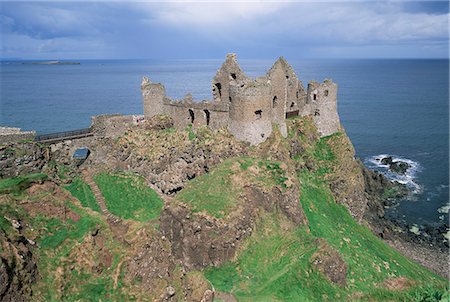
point(287, 92)
point(153, 96)
point(321, 104)
point(250, 115)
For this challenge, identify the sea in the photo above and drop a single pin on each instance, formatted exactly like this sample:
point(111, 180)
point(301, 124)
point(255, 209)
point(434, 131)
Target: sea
point(397, 108)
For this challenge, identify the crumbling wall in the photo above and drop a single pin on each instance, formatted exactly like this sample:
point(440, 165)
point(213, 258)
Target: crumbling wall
point(322, 105)
point(187, 112)
point(251, 112)
point(110, 125)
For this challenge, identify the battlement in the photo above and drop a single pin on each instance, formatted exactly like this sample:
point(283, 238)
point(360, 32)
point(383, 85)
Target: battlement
point(248, 107)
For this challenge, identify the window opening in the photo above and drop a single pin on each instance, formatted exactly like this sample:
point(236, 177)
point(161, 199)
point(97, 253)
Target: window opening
point(258, 114)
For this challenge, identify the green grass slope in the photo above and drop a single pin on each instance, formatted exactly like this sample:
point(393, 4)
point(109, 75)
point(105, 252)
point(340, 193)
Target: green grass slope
point(275, 263)
point(83, 192)
point(127, 196)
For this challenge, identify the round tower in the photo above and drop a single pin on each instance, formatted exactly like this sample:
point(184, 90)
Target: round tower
point(250, 115)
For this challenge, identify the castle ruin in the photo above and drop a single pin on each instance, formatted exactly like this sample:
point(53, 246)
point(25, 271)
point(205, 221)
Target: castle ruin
point(249, 107)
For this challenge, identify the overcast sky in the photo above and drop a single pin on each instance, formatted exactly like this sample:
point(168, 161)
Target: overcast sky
point(253, 29)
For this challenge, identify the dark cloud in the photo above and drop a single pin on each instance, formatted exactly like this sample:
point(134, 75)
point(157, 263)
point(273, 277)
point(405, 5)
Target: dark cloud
point(208, 30)
point(427, 7)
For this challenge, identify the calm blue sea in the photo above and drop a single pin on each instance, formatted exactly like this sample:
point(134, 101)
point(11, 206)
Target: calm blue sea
point(393, 107)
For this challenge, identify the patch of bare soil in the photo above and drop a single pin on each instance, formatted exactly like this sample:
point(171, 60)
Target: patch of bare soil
point(119, 229)
point(48, 199)
point(398, 283)
point(150, 261)
point(329, 262)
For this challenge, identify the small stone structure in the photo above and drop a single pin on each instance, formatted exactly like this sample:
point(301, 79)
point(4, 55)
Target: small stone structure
point(249, 107)
point(111, 125)
point(9, 135)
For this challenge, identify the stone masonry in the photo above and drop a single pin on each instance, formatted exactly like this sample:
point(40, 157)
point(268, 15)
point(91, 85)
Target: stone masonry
point(249, 107)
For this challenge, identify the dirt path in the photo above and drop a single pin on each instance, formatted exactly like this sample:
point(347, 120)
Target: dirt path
point(118, 227)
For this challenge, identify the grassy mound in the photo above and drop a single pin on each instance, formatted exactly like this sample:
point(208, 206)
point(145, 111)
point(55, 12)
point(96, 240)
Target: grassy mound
point(127, 196)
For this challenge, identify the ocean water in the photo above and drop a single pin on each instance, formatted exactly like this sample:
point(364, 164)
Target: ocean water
point(388, 107)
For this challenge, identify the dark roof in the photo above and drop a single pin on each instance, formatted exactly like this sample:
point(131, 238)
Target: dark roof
point(81, 153)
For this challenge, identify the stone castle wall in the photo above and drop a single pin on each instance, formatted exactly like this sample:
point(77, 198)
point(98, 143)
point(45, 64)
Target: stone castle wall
point(248, 107)
point(110, 125)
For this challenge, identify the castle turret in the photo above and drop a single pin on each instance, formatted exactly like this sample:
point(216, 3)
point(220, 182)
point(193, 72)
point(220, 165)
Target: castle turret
point(153, 96)
point(250, 113)
point(322, 104)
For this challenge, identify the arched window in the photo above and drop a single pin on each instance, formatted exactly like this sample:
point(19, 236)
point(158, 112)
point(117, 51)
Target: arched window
point(207, 115)
point(219, 88)
point(191, 116)
point(274, 102)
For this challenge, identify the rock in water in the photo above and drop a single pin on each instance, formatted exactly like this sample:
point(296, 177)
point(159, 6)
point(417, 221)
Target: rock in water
point(387, 160)
point(399, 167)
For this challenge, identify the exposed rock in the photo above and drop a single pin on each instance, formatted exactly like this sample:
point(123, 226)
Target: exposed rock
point(208, 296)
point(170, 292)
point(200, 240)
point(399, 167)
point(347, 180)
point(21, 159)
point(18, 270)
point(159, 122)
point(329, 262)
point(152, 261)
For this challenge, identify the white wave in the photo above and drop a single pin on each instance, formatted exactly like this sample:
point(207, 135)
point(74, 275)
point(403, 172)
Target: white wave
point(444, 209)
point(407, 179)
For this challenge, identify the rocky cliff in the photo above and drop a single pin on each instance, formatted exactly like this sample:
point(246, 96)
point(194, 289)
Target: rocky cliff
point(163, 214)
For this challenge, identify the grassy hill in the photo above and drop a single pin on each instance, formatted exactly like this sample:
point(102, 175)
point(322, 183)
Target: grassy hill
point(58, 245)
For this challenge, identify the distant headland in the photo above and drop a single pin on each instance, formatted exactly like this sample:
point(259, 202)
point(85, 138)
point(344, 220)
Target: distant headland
point(52, 63)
